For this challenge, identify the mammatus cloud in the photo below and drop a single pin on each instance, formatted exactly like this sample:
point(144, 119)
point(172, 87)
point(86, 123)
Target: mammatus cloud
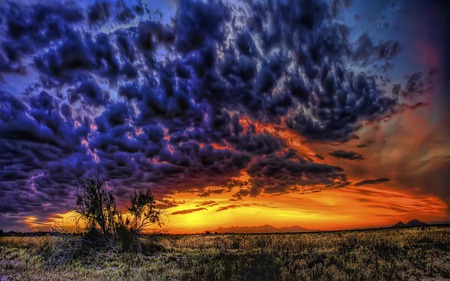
point(161, 105)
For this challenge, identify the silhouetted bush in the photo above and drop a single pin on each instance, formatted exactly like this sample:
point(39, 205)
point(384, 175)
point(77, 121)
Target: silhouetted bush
point(96, 205)
point(107, 227)
point(141, 213)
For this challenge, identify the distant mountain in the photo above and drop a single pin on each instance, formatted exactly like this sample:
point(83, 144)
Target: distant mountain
point(411, 223)
point(399, 224)
point(416, 223)
point(261, 229)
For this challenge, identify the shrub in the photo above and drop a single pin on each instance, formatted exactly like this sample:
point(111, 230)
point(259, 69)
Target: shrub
point(105, 224)
point(96, 205)
point(141, 213)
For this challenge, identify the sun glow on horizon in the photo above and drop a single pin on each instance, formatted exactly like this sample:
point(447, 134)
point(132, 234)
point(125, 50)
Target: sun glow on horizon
point(346, 208)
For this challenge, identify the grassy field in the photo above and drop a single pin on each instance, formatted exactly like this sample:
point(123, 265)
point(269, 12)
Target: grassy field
point(387, 254)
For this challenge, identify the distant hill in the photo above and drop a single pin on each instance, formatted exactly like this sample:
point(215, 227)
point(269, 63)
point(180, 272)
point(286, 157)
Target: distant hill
point(261, 229)
point(411, 223)
point(416, 223)
point(399, 224)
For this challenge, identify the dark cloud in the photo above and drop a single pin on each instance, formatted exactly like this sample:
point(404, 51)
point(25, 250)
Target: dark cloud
point(99, 12)
point(188, 211)
point(281, 174)
point(41, 155)
point(199, 24)
point(30, 28)
point(167, 203)
point(414, 85)
point(367, 52)
point(91, 94)
point(320, 156)
point(231, 206)
point(205, 192)
point(162, 105)
point(347, 155)
point(208, 203)
point(371, 182)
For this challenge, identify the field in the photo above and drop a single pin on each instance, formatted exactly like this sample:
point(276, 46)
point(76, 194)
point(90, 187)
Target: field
point(385, 254)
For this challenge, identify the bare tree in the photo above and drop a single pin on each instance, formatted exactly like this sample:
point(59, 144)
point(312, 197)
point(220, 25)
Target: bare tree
point(96, 205)
point(141, 214)
point(143, 210)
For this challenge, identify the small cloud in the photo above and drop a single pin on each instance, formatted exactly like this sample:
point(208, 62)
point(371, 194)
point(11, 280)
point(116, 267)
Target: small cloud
point(232, 206)
point(188, 211)
point(348, 155)
point(208, 203)
point(166, 203)
point(369, 182)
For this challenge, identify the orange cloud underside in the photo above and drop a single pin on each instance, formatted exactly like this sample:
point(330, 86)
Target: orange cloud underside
point(343, 208)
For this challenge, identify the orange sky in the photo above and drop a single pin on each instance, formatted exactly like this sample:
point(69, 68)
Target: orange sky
point(195, 102)
point(347, 207)
point(342, 208)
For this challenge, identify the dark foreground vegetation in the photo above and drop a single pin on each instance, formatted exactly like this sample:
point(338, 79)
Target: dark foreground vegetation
point(386, 254)
point(106, 226)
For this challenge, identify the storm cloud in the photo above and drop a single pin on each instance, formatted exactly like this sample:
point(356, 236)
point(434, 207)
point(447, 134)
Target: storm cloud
point(162, 105)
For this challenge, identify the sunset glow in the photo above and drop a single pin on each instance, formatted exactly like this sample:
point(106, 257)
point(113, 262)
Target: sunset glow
point(320, 114)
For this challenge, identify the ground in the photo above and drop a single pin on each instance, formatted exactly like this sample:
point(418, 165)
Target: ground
point(384, 254)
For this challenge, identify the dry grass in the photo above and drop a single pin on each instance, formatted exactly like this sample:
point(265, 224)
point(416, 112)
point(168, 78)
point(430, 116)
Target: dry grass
point(389, 254)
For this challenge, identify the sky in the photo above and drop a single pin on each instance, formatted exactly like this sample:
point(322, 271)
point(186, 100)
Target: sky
point(322, 114)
